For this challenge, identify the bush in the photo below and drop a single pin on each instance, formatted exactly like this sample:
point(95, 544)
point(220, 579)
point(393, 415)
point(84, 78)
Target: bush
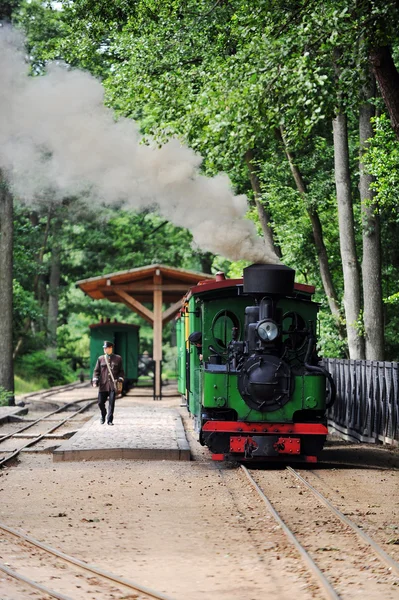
point(40, 366)
point(5, 396)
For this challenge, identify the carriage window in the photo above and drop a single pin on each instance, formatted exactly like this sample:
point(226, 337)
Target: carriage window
point(222, 327)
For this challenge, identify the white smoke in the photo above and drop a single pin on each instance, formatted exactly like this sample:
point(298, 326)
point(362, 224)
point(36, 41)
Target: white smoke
point(56, 134)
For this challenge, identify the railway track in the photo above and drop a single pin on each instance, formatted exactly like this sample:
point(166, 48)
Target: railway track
point(54, 391)
point(28, 555)
point(9, 452)
point(336, 551)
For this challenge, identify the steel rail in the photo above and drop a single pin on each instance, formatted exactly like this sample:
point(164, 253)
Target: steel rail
point(34, 584)
point(327, 588)
point(53, 391)
point(43, 418)
point(388, 560)
point(91, 568)
point(42, 435)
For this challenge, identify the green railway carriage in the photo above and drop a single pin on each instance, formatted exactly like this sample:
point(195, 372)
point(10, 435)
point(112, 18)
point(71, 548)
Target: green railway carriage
point(181, 356)
point(255, 389)
point(125, 338)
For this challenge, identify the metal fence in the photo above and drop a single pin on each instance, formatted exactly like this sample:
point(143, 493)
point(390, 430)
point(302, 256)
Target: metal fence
point(367, 404)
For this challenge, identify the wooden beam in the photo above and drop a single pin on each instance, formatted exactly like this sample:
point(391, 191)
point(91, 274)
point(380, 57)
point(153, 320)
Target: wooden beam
point(135, 305)
point(157, 341)
point(148, 287)
point(170, 312)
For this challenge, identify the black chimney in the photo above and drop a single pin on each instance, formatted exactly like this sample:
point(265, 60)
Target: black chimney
point(269, 279)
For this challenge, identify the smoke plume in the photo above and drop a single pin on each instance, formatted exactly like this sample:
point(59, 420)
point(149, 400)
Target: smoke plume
point(56, 134)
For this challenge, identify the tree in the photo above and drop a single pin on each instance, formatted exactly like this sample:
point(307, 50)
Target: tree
point(373, 317)
point(224, 76)
point(352, 299)
point(317, 229)
point(6, 289)
point(54, 289)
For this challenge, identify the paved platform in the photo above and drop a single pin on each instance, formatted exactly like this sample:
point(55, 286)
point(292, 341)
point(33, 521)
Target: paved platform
point(139, 432)
point(8, 412)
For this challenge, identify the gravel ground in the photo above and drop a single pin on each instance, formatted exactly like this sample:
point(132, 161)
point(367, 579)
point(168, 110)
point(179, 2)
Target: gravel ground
point(192, 530)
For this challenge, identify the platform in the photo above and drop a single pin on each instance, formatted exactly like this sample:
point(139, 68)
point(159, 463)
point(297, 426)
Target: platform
point(8, 412)
point(139, 432)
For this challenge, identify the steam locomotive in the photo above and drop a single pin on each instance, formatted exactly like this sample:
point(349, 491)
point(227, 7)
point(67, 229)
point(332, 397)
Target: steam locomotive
point(248, 367)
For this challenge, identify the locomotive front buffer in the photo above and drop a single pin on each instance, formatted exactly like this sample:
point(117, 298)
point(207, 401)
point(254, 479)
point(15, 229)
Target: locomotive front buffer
point(273, 442)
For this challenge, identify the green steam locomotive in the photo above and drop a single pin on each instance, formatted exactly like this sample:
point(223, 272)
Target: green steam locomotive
point(248, 367)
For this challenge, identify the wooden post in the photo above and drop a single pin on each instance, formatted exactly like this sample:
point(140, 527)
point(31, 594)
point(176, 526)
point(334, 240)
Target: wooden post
point(157, 341)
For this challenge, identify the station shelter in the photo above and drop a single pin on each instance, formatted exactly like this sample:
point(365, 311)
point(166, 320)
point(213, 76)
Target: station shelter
point(155, 292)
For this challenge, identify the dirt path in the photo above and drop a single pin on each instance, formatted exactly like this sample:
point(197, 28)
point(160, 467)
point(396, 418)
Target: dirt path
point(190, 530)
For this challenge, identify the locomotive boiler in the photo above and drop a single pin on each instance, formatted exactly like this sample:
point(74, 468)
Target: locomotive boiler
point(252, 380)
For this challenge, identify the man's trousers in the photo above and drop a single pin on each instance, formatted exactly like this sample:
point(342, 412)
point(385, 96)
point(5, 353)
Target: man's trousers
point(102, 398)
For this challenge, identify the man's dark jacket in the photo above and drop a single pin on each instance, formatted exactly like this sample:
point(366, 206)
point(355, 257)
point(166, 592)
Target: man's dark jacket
point(101, 374)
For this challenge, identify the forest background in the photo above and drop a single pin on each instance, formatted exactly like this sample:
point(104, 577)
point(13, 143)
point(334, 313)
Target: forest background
point(297, 102)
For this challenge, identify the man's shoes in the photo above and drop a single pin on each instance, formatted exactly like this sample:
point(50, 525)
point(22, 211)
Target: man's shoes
point(110, 423)
point(102, 421)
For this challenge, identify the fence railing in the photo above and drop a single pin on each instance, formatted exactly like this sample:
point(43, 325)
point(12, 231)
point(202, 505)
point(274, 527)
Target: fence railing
point(367, 404)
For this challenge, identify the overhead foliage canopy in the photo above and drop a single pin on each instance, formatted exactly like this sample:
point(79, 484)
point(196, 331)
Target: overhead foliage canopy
point(228, 77)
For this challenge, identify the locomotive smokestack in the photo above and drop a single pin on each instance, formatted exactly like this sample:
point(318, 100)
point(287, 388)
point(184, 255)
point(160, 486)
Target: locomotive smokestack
point(269, 279)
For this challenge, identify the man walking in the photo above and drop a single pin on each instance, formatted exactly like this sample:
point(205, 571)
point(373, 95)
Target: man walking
point(107, 373)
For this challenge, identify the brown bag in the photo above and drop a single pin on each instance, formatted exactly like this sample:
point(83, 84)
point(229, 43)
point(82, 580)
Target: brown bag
point(119, 388)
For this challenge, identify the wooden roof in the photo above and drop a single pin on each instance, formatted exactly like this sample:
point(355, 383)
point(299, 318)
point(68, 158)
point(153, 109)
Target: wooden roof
point(142, 282)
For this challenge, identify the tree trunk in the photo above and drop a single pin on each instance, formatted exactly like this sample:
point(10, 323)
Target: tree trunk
point(206, 260)
point(6, 289)
point(38, 281)
point(318, 237)
point(387, 77)
point(39, 287)
point(264, 217)
point(35, 221)
point(371, 265)
point(352, 299)
point(54, 293)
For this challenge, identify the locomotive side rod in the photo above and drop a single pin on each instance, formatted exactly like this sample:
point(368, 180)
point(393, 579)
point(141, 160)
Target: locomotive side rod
point(328, 591)
point(390, 562)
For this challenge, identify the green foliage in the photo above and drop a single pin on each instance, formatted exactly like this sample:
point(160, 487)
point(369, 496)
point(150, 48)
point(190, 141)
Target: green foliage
point(7, 8)
point(5, 396)
point(27, 240)
point(25, 307)
point(225, 77)
point(44, 30)
point(73, 342)
point(39, 366)
point(23, 386)
point(169, 361)
point(382, 161)
point(329, 344)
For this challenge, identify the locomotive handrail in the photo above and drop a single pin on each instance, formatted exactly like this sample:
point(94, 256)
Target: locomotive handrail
point(333, 388)
point(212, 349)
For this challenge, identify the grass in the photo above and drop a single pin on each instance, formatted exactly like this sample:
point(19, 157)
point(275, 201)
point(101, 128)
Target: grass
point(23, 386)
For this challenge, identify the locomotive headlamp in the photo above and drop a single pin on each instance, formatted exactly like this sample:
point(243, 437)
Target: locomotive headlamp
point(267, 330)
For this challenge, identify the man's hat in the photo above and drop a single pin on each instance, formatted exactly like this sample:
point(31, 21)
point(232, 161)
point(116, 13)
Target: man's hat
point(108, 344)
point(195, 337)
